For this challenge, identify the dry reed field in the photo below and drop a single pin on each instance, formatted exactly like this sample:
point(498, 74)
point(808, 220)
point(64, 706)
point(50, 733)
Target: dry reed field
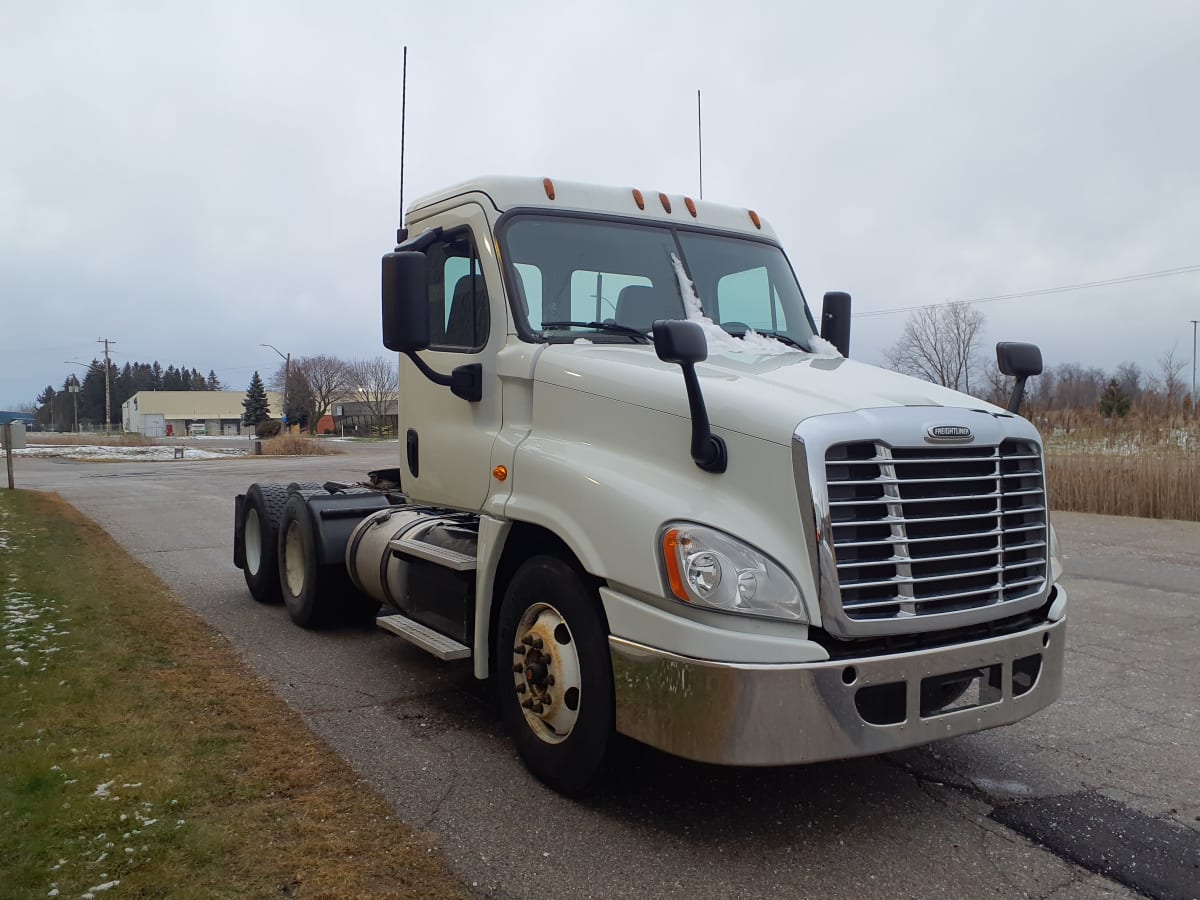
point(296, 445)
point(1146, 466)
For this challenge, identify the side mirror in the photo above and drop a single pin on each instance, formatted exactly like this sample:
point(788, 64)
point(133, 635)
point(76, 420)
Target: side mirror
point(835, 320)
point(1020, 361)
point(679, 341)
point(683, 343)
point(405, 302)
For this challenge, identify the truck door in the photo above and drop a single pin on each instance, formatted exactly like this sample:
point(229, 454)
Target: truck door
point(445, 441)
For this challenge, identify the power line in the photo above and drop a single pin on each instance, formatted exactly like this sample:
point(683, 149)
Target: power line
point(1120, 279)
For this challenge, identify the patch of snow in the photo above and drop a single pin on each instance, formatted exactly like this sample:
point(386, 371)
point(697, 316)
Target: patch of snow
point(581, 341)
point(719, 340)
point(139, 454)
point(821, 347)
point(108, 885)
point(102, 790)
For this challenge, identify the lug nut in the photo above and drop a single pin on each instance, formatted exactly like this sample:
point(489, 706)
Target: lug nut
point(519, 650)
point(527, 640)
point(528, 704)
point(518, 667)
point(537, 708)
point(536, 643)
point(550, 680)
point(520, 688)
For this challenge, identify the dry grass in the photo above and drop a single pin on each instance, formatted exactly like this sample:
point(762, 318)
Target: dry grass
point(213, 787)
point(1146, 466)
point(90, 439)
point(296, 445)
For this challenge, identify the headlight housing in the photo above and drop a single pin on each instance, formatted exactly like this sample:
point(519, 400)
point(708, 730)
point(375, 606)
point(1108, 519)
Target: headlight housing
point(707, 568)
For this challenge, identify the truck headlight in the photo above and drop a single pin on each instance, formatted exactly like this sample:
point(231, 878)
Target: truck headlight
point(708, 568)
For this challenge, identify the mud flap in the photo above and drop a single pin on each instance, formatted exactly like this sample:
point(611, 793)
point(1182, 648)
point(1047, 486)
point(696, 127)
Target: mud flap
point(239, 551)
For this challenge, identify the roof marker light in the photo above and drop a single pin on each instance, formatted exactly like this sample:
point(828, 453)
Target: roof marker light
point(691, 205)
point(665, 201)
point(755, 219)
point(549, 186)
point(639, 199)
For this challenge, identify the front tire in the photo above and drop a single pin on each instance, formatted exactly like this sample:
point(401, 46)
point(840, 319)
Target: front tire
point(554, 673)
point(259, 534)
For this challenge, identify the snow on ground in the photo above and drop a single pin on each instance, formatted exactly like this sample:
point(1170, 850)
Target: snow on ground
point(137, 454)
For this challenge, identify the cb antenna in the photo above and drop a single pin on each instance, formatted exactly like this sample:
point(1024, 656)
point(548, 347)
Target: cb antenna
point(699, 143)
point(402, 232)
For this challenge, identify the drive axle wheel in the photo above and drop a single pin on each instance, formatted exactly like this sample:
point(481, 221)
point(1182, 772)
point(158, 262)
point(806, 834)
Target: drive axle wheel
point(555, 673)
point(261, 512)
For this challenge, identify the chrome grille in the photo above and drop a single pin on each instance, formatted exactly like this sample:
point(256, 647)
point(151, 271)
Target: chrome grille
point(923, 531)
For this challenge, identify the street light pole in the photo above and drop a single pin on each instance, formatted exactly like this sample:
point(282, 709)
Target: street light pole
point(287, 374)
point(74, 388)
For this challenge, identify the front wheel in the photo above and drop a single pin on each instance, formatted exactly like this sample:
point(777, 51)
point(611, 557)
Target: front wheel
point(554, 673)
point(259, 536)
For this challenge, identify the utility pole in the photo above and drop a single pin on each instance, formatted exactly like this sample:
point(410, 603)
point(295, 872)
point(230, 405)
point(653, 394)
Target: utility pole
point(107, 387)
point(1194, 321)
point(74, 389)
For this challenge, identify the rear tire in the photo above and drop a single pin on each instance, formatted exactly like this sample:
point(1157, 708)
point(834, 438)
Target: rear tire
point(261, 514)
point(554, 673)
point(311, 592)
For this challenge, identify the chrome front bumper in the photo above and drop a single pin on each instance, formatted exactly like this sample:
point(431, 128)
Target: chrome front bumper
point(763, 715)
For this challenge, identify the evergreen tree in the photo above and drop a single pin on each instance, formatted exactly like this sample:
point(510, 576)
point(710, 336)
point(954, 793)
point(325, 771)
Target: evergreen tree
point(172, 381)
point(213, 383)
point(1114, 402)
point(255, 404)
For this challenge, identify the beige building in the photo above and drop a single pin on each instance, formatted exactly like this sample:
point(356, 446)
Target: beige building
point(181, 413)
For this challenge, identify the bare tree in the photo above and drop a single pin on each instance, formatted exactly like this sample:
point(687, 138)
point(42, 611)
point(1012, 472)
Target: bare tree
point(939, 344)
point(325, 379)
point(1130, 380)
point(1169, 369)
point(376, 385)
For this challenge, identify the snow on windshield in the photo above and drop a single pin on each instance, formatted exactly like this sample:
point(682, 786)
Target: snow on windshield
point(721, 341)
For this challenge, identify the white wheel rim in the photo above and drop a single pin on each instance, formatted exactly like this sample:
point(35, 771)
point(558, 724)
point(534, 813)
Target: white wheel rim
point(252, 541)
point(293, 550)
point(546, 674)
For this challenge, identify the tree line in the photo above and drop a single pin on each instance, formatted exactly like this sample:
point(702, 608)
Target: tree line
point(56, 406)
point(313, 385)
point(943, 344)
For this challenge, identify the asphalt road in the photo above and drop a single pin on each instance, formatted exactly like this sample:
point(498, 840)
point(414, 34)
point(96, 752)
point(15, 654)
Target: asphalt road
point(1098, 796)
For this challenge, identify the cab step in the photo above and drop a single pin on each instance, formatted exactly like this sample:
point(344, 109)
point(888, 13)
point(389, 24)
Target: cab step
point(442, 556)
point(424, 637)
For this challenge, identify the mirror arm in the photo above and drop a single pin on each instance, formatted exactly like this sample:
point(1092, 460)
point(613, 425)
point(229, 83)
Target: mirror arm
point(1018, 394)
point(708, 449)
point(421, 242)
point(465, 381)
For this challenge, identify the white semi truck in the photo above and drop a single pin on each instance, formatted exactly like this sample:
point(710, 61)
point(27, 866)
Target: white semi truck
point(641, 490)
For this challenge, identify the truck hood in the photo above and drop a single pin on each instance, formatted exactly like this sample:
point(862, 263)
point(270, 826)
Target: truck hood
point(760, 396)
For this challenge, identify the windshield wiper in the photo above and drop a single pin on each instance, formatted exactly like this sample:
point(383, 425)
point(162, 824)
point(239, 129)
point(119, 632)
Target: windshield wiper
point(609, 327)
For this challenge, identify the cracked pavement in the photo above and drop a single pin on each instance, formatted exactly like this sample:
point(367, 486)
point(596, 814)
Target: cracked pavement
point(922, 823)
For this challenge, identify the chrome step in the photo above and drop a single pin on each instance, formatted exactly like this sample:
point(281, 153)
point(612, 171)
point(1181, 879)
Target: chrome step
point(451, 559)
point(424, 637)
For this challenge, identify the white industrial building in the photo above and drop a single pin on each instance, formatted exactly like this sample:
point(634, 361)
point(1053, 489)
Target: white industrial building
point(183, 413)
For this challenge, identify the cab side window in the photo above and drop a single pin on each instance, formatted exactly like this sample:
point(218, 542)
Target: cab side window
point(458, 300)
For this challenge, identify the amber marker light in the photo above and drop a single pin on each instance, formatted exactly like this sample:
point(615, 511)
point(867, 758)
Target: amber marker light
point(549, 186)
point(691, 205)
point(755, 219)
point(665, 201)
point(500, 473)
point(671, 543)
point(639, 199)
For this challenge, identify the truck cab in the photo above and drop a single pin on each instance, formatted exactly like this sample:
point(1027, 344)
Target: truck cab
point(644, 491)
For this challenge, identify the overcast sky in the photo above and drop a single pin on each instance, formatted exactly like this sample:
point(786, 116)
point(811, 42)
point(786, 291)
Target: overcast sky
point(192, 180)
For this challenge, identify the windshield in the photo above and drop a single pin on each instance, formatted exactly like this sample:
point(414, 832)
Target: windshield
point(592, 272)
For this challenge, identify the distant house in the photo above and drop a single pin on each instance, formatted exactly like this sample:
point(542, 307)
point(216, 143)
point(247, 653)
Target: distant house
point(182, 413)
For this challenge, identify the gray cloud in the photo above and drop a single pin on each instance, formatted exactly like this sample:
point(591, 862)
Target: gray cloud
point(192, 181)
